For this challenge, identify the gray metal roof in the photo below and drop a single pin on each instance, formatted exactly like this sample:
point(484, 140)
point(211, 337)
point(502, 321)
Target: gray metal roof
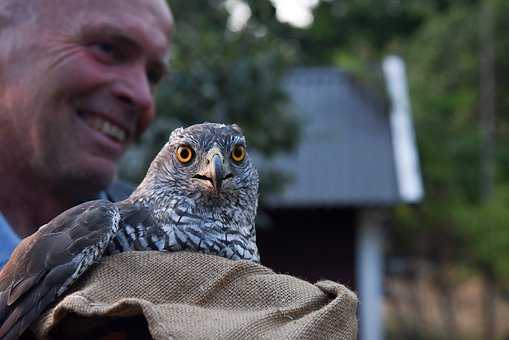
point(345, 156)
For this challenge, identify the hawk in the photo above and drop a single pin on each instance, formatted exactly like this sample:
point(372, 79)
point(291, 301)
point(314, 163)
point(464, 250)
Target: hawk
point(199, 194)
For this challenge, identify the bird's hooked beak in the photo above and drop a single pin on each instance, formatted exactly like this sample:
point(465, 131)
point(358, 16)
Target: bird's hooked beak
point(215, 170)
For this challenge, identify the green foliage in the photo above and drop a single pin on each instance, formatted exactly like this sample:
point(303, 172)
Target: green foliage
point(486, 233)
point(365, 29)
point(444, 69)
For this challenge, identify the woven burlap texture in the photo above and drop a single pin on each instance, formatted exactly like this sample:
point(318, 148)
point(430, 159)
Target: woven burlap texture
point(187, 295)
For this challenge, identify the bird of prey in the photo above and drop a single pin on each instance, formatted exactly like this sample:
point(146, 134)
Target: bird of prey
point(199, 194)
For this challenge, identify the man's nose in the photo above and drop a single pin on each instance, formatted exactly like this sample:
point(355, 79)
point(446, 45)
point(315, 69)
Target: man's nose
point(133, 88)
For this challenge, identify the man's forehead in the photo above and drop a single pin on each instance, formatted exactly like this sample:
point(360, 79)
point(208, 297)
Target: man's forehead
point(16, 10)
point(158, 6)
point(144, 21)
point(156, 12)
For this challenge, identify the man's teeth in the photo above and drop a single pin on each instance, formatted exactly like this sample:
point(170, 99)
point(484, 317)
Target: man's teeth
point(107, 128)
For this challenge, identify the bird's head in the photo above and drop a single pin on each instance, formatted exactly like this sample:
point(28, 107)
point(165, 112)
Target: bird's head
point(205, 161)
point(204, 185)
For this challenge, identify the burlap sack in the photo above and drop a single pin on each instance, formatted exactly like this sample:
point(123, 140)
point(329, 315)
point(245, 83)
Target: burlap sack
point(143, 295)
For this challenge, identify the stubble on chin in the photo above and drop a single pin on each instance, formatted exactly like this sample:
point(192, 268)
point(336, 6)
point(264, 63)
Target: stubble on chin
point(80, 180)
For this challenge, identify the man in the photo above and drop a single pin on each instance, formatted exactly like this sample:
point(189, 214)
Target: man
point(76, 88)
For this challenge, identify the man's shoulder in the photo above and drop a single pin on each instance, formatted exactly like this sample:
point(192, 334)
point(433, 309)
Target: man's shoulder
point(119, 190)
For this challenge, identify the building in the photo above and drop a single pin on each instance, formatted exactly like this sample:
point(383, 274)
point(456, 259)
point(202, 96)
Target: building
point(357, 158)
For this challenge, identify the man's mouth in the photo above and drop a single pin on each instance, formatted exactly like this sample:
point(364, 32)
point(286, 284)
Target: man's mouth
point(106, 127)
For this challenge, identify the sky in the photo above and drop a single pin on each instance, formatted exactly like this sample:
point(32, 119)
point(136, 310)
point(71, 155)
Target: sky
point(295, 12)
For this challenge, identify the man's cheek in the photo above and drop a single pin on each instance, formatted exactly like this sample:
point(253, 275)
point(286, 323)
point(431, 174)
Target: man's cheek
point(81, 73)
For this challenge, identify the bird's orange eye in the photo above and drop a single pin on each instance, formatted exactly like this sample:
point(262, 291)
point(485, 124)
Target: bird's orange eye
point(185, 154)
point(239, 153)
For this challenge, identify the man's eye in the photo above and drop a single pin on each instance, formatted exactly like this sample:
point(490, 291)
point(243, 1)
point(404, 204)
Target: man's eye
point(105, 47)
point(105, 51)
point(154, 76)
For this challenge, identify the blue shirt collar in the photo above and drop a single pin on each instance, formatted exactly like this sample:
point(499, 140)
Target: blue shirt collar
point(8, 240)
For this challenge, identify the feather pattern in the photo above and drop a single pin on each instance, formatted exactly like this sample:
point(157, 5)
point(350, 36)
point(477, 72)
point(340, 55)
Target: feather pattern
point(46, 263)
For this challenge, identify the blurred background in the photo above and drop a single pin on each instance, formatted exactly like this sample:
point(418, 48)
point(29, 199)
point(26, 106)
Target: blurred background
point(381, 132)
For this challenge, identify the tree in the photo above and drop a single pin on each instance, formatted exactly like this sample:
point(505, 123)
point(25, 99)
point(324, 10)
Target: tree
point(446, 86)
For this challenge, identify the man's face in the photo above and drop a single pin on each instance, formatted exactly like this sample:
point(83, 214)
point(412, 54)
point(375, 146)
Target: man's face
point(77, 82)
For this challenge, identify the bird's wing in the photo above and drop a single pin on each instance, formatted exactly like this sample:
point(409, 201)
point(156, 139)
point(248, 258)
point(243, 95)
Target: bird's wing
point(137, 230)
point(47, 262)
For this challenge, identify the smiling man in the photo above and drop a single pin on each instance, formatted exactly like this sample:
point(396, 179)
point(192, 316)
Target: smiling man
point(76, 88)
